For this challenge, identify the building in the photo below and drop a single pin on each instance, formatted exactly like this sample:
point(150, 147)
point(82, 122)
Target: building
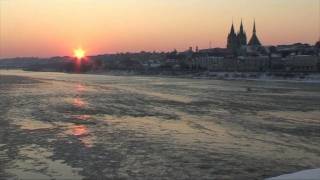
point(302, 63)
point(233, 41)
point(242, 36)
point(254, 41)
point(237, 43)
point(207, 63)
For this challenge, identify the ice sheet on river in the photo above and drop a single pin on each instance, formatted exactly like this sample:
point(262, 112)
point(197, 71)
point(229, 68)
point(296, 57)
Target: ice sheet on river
point(55, 125)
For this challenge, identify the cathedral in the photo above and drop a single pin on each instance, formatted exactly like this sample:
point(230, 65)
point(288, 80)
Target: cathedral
point(238, 40)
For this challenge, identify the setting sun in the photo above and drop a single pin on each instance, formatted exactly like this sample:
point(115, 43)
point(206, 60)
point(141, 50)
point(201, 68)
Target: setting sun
point(79, 53)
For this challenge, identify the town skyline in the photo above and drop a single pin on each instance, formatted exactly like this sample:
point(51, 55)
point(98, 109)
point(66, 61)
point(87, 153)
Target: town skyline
point(36, 36)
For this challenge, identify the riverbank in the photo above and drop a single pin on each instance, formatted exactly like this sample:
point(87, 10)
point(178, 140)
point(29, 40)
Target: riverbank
point(312, 174)
point(243, 76)
point(251, 76)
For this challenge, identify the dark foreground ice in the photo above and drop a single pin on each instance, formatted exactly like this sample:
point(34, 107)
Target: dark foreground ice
point(72, 126)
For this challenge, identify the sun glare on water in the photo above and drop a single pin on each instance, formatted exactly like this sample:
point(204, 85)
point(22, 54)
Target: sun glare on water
point(79, 53)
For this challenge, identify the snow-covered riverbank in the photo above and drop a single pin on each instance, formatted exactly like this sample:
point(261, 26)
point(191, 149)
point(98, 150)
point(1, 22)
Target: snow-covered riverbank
point(292, 77)
point(251, 76)
point(312, 174)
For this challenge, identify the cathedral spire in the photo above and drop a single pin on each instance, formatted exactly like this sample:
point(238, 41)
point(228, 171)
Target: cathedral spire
point(232, 29)
point(241, 27)
point(254, 27)
point(232, 38)
point(254, 41)
point(241, 36)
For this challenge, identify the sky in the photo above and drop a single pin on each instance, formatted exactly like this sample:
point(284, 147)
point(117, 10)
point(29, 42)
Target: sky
point(46, 28)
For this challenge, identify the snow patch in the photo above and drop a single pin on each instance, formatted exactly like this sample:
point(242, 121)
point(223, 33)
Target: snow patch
point(313, 174)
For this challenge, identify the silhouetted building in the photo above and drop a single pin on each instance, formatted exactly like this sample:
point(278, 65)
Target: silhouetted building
point(317, 50)
point(238, 42)
point(317, 45)
point(242, 36)
point(254, 41)
point(232, 43)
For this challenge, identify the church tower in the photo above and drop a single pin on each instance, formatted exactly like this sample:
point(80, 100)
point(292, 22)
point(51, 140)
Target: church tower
point(232, 39)
point(254, 41)
point(242, 37)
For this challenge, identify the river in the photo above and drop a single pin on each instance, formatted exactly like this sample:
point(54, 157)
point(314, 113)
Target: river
point(82, 126)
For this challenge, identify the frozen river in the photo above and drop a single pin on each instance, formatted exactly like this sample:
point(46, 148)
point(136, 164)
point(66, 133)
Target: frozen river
point(76, 126)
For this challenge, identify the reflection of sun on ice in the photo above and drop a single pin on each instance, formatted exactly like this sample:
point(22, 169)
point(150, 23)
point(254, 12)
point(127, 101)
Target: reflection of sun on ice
point(83, 117)
point(79, 53)
point(80, 130)
point(83, 134)
point(78, 102)
point(80, 88)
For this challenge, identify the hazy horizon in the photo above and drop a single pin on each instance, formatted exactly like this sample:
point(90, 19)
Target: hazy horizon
point(54, 28)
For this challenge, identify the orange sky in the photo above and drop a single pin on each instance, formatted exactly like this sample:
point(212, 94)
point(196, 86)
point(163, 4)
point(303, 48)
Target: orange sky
point(56, 27)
